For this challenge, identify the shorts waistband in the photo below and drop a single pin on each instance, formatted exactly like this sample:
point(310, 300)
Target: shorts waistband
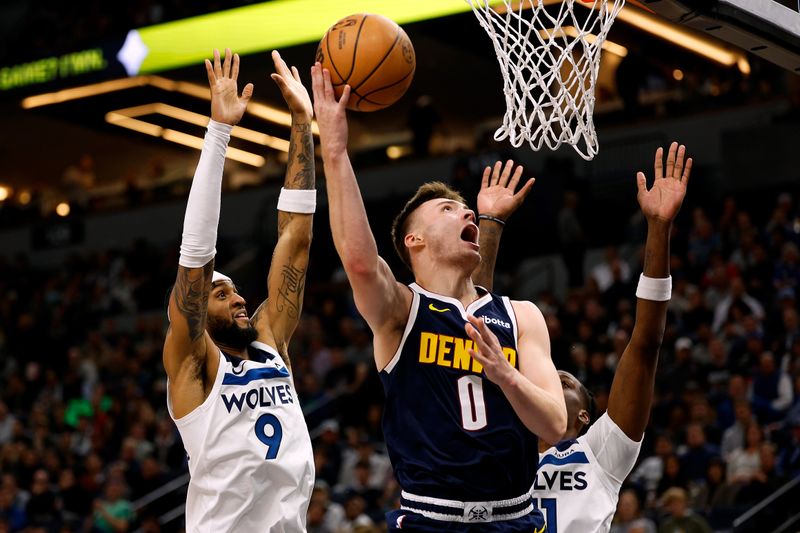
point(467, 512)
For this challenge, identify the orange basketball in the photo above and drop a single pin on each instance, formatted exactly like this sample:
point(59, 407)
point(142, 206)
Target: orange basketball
point(373, 55)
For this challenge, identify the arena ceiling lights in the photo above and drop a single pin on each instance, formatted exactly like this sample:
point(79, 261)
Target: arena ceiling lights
point(130, 117)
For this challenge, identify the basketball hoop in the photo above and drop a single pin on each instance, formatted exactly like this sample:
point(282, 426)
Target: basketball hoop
point(549, 59)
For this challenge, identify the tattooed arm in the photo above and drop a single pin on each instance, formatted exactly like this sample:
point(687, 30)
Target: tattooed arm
point(276, 318)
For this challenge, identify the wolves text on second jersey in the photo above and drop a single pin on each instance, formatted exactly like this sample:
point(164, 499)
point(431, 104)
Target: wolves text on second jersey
point(451, 433)
point(578, 482)
point(250, 456)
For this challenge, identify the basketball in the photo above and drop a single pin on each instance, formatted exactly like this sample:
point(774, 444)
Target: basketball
point(373, 55)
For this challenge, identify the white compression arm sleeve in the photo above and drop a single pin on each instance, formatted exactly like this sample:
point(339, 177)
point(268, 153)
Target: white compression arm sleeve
point(198, 245)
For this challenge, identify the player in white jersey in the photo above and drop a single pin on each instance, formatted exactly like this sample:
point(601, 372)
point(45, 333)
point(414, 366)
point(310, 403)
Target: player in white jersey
point(579, 478)
point(230, 387)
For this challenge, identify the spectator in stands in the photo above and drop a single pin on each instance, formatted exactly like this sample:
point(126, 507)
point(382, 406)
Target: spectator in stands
point(41, 507)
point(7, 423)
point(771, 390)
point(673, 475)
point(355, 521)
point(787, 270)
point(113, 513)
point(629, 517)
point(744, 462)
point(737, 301)
point(681, 519)
point(651, 469)
point(611, 270)
point(572, 238)
point(733, 437)
point(766, 480)
point(697, 453)
point(681, 372)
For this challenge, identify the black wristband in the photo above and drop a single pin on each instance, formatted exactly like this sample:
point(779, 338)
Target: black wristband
point(493, 219)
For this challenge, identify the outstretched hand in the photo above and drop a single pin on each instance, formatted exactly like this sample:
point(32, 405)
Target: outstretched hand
point(226, 104)
point(663, 201)
point(331, 115)
point(497, 197)
point(292, 89)
point(488, 352)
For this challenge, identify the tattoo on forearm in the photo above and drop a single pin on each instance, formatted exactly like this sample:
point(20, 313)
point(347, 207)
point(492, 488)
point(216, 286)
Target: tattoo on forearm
point(300, 169)
point(191, 297)
point(290, 291)
point(490, 242)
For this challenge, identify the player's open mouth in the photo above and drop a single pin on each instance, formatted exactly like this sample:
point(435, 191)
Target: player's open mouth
point(470, 233)
point(241, 314)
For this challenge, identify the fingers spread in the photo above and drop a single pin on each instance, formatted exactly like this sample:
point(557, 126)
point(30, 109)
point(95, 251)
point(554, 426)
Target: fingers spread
point(212, 79)
point(247, 92)
point(327, 84)
point(658, 165)
point(641, 182)
point(217, 64)
point(226, 65)
point(515, 178)
point(345, 97)
point(506, 173)
point(673, 148)
point(235, 69)
point(498, 166)
point(485, 179)
point(525, 190)
point(316, 82)
point(686, 171)
point(278, 80)
point(679, 162)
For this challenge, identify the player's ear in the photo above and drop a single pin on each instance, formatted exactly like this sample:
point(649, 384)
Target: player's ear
point(413, 240)
point(583, 416)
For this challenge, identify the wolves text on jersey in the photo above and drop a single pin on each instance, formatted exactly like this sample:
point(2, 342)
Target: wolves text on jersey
point(264, 396)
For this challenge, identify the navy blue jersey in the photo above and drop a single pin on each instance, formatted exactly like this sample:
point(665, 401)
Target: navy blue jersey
point(451, 433)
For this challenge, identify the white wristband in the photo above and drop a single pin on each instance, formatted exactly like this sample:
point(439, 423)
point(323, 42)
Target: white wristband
point(655, 289)
point(298, 200)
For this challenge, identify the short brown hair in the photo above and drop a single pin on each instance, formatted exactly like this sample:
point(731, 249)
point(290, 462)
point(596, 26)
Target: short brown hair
point(428, 191)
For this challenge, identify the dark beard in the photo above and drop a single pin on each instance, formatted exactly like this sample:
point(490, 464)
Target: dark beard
point(231, 334)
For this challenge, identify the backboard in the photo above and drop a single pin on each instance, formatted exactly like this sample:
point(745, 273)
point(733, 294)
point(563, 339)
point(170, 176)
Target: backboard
point(767, 28)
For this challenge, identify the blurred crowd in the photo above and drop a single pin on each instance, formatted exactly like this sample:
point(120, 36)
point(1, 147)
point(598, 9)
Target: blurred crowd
point(85, 436)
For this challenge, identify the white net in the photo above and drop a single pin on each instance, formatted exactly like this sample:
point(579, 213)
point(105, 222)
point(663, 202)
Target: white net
point(549, 55)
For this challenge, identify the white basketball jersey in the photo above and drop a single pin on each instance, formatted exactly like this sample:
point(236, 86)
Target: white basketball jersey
point(250, 456)
point(578, 481)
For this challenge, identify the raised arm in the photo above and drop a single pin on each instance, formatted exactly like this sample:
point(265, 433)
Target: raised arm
point(276, 318)
point(632, 389)
point(534, 390)
point(188, 348)
point(381, 300)
point(496, 202)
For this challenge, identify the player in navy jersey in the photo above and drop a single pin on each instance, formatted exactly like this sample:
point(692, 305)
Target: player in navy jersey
point(580, 474)
point(230, 389)
point(468, 376)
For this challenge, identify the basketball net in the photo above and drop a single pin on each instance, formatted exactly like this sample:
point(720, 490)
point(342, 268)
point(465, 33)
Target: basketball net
point(549, 65)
